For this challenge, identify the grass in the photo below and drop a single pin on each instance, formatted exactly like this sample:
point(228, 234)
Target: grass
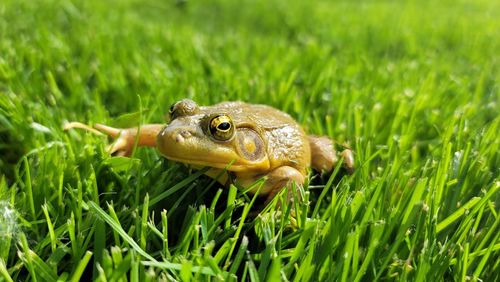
point(412, 87)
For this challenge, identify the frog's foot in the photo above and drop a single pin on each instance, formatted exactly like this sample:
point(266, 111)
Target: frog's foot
point(324, 158)
point(348, 160)
point(284, 177)
point(125, 138)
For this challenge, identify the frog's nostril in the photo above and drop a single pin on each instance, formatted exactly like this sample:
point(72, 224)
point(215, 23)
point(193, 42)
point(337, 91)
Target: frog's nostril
point(184, 133)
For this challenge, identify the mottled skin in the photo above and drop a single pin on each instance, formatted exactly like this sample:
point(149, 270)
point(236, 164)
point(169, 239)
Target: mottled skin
point(249, 141)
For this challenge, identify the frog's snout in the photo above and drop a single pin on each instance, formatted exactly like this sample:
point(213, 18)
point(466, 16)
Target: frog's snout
point(171, 140)
point(177, 135)
point(187, 144)
point(181, 135)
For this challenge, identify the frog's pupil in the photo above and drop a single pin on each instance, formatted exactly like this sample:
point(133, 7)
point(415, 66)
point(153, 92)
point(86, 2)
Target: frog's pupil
point(224, 126)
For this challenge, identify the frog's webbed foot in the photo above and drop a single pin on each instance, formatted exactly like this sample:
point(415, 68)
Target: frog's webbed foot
point(324, 158)
point(125, 138)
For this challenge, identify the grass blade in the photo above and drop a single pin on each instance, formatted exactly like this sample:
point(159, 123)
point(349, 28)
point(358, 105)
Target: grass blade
point(81, 267)
point(116, 227)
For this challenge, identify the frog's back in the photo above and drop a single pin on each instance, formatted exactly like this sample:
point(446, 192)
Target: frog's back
point(286, 142)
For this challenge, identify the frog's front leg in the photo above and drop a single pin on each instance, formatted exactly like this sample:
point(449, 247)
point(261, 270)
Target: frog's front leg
point(276, 180)
point(125, 138)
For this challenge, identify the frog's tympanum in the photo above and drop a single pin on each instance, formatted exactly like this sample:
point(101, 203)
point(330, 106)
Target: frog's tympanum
point(248, 141)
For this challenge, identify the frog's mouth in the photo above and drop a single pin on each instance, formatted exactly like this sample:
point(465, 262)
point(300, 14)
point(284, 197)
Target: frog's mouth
point(228, 166)
point(191, 146)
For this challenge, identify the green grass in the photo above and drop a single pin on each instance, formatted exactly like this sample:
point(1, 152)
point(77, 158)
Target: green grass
point(411, 87)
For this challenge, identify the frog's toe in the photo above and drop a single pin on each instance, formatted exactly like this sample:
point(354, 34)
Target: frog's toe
point(123, 144)
point(79, 125)
point(121, 147)
point(348, 163)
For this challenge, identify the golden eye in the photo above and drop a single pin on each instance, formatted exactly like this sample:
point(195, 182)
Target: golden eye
point(221, 127)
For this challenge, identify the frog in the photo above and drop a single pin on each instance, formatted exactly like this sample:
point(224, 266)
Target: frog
point(239, 142)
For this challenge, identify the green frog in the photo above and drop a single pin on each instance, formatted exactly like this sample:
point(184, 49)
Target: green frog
point(248, 141)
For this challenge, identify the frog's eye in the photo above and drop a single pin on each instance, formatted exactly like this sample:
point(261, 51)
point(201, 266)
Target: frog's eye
point(221, 127)
point(183, 107)
point(172, 113)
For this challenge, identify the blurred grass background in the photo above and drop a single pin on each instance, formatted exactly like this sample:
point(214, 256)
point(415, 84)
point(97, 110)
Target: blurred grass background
point(412, 86)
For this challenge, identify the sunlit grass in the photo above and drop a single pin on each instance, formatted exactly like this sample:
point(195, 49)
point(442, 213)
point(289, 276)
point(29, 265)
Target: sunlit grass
point(411, 87)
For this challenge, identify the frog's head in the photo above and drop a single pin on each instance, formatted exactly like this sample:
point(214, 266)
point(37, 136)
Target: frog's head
point(209, 136)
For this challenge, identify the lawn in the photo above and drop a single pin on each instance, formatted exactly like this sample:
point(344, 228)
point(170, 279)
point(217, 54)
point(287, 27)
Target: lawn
point(411, 86)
